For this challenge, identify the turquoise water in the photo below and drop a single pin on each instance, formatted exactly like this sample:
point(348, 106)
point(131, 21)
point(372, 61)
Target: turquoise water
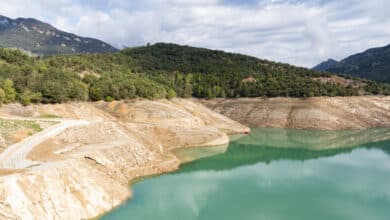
point(274, 174)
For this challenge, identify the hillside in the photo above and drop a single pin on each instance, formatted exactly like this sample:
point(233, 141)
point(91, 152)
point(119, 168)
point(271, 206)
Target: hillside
point(325, 65)
point(187, 59)
point(221, 74)
point(317, 113)
point(43, 39)
point(163, 71)
point(373, 64)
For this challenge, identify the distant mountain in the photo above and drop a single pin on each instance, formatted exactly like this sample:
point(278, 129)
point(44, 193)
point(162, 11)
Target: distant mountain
point(325, 65)
point(373, 64)
point(43, 39)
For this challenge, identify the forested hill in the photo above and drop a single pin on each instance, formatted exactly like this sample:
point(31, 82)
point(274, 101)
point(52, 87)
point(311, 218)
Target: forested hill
point(163, 71)
point(218, 73)
point(42, 39)
point(186, 59)
point(373, 64)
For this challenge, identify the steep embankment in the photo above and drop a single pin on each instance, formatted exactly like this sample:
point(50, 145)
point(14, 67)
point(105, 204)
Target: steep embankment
point(324, 113)
point(80, 167)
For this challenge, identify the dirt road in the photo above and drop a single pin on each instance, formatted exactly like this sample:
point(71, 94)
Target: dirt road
point(14, 157)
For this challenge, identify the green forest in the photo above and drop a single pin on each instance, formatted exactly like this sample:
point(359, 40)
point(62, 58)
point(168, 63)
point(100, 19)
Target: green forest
point(162, 71)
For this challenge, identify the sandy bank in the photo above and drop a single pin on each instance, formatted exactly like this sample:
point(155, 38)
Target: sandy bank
point(322, 113)
point(82, 170)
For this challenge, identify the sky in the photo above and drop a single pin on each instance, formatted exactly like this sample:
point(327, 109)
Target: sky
point(299, 32)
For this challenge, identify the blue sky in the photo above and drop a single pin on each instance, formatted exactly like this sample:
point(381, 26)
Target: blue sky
point(300, 32)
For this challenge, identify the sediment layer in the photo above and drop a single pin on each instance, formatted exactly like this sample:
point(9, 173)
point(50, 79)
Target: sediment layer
point(319, 113)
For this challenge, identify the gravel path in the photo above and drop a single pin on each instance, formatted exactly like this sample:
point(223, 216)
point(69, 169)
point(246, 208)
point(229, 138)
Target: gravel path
point(15, 156)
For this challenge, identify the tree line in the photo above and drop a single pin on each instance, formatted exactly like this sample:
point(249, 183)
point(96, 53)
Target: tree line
point(160, 71)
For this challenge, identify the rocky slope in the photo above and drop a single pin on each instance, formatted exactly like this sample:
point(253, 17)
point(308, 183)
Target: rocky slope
point(43, 39)
point(83, 170)
point(323, 113)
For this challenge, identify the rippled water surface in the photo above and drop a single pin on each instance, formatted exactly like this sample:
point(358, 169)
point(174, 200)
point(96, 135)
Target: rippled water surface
point(273, 174)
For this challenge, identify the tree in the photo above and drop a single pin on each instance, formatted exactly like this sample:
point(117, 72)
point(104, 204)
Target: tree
point(210, 93)
point(9, 90)
point(2, 96)
point(179, 84)
point(187, 86)
point(95, 93)
point(171, 94)
point(79, 91)
point(109, 99)
point(27, 97)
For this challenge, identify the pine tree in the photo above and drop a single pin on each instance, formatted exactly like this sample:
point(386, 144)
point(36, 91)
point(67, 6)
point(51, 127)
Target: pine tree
point(9, 91)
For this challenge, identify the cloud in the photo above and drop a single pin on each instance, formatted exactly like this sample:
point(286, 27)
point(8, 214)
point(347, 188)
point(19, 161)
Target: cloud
point(300, 32)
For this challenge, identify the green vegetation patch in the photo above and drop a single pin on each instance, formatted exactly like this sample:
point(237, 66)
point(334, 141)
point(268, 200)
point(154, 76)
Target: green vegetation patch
point(162, 71)
point(12, 131)
point(12, 125)
point(50, 116)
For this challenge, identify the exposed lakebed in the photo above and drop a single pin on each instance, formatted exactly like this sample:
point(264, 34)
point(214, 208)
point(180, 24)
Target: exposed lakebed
point(273, 174)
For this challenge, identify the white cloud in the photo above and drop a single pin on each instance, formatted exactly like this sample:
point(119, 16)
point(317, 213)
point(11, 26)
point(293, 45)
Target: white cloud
point(300, 32)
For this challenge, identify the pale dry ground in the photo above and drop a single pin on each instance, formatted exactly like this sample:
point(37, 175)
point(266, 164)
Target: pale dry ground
point(319, 113)
point(80, 167)
point(14, 130)
point(14, 156)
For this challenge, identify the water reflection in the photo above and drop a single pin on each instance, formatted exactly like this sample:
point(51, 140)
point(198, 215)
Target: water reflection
point(266, 145)
point(196, 153)
point(275, 174)
point(314, 140)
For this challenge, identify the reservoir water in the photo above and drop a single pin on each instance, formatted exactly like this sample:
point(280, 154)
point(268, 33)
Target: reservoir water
point(273, 174)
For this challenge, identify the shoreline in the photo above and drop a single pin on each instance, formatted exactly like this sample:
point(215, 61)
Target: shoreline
point(127, 140)
point(137, 180)
point(122, 142)
point(147, 176)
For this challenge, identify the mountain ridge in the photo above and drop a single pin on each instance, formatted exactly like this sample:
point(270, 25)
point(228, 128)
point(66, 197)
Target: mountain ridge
point(325, 65)
point(43, 39)
point(373, 64)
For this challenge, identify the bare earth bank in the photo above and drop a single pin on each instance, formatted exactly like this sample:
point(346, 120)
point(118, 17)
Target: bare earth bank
point(80, 166)
point(320, 113)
